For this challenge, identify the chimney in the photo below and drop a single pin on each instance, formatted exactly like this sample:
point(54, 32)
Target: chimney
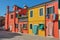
point(7, 9)
point(15, 8)
point(25, 6)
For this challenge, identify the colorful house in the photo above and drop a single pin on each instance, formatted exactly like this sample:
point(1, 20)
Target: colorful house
point(36, 20)
point(39, 20)
point(12, 19)
point(59, 16)
point(23, 20)
point(52, 19)
point(59, 22)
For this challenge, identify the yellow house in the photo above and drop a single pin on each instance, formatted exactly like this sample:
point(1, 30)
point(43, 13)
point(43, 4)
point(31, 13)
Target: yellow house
point(59, 13)
point(59, 21)
point(36, 20)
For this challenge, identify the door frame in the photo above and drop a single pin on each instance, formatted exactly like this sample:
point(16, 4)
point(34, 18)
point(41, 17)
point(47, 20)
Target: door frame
point(49, 29)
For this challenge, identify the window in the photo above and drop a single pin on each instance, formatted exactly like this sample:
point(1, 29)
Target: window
point(41, 26)
point(17, 15)
point(59, 4)
point(11, 16)
point(50, 10)
point(24, 26)
point(59, 23)
point(31, 13)
point(30, 26)
point(41, 12)
point(16, 25)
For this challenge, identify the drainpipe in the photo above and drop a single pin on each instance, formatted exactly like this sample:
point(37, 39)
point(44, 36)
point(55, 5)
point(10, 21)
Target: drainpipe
point(7, 18)
point(14, 29)
point(45, 20)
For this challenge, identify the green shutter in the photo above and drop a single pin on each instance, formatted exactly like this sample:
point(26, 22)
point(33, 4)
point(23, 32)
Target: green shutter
point(41, 12)
point(31, 13)
point(18, 16)
point(35, 29)
point(41, 26)
point(30, 26)
point(59, 4)
point(59, 24)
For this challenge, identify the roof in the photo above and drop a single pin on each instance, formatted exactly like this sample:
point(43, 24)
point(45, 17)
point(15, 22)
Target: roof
point(42, 4)
point(18, 6)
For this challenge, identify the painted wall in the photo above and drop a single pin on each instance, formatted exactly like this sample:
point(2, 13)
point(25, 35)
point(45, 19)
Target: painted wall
point(59, 13)
point(55, 24)
point(36, 19)
point(11, 22)
point(59, 20)
point(25, 31)
point(6, 21)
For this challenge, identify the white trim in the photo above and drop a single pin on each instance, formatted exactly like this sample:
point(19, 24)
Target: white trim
point(33, 13)
point(41, 22)
point(39, 11)
point(35, 24)
point(48, 7)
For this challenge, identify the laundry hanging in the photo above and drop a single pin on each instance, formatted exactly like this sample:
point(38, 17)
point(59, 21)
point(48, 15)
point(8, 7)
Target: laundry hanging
point(35, 29)
point(54, 16)
point(41, 27)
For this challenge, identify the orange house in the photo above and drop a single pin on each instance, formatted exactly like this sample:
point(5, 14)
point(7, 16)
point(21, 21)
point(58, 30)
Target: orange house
point(23, 20)
point(52, 19)
point(12, 22)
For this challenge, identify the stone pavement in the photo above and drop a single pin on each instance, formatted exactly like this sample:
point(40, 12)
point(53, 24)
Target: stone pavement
point(4, 35)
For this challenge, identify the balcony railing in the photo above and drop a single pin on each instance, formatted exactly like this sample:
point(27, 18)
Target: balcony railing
point(23, 19)
point(22, 16)
point(54, 16)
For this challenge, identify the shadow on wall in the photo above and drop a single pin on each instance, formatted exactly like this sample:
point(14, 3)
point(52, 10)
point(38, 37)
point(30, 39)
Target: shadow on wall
point(8, 35)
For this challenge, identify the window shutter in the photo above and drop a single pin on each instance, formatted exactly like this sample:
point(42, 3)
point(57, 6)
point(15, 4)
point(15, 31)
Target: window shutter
point(31, 13)
point(59, 24)
point(41, 26)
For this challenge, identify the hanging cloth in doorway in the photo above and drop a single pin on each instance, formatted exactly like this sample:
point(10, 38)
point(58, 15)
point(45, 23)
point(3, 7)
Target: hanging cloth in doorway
point(50, 28)
point(35, 29)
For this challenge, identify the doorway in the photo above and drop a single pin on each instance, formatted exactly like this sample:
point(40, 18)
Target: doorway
point(20, 28)
point(50, 29)
point(35, 29)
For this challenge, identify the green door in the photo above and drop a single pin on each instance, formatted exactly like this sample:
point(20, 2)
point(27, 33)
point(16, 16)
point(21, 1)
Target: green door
point(35, 29)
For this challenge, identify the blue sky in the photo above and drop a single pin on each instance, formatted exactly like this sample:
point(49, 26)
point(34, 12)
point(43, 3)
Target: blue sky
point(20, 3)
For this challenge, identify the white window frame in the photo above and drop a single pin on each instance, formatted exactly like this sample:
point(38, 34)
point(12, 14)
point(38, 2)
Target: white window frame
point(33, 13)
point(39, 11)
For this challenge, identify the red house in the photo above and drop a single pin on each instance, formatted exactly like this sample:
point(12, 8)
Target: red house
point(52, 19)
point(12, 19)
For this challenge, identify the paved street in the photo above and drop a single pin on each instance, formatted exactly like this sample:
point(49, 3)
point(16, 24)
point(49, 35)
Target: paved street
point(4, 35)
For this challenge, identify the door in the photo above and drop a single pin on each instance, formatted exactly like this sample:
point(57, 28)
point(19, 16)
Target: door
point(35, 29)
point(59, 33)
point(50, 28)
point(20, 28)
point(25, 29)
point(10, 28)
